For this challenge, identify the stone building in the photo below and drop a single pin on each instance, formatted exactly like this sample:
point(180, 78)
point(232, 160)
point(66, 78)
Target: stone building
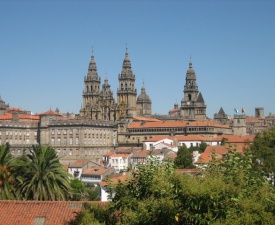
point(192, 104)
point(144, 103)
point(72, 137)
point(99, 104)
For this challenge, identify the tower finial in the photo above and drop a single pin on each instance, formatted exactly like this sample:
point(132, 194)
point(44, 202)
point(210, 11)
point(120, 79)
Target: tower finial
point(190, 62)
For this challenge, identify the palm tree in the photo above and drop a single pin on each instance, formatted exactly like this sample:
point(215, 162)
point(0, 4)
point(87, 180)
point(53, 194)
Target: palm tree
point(7, 190)
point(41, 176)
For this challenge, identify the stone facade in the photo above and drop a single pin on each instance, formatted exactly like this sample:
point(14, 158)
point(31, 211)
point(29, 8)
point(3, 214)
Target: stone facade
point(72, 138)
point(192, 104)
point(99, 104)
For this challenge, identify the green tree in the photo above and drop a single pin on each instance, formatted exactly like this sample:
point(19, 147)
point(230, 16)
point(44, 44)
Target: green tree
point(7, 180)
point(229, 191)
point(40, 175)
point(77, 189)
point(184, 158)
point(263, 148)
point(202, 147)
point(92, 193)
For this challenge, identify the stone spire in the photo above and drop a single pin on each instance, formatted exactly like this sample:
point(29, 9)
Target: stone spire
point(92, 69)
point(126, 66)
point(91, 90)
point(192, 104)
point(127, 93)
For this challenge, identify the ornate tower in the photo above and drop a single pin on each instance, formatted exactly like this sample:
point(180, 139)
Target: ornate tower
point(126, 93)
point(106, 102)
point(192, 104)
point(144, 104)
point(91, 92)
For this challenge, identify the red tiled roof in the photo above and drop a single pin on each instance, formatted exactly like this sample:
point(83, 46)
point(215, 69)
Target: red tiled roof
point(139, 118)
point(98, 170)
point(16, 109)
point(49, 112)
point(174, 123)
point(26, 212)
point(178, 138)
point(8, 116)
point(79, 163)
point(206, 156)
point(141, 153)
point(251, 119)
point(236, 138)
point(115, 180)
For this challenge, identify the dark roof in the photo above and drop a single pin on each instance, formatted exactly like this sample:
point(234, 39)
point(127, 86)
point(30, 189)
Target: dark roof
point(221, 112)
point(200, 98)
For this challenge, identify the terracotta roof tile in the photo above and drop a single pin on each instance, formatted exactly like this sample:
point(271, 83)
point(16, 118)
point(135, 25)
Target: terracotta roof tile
point(79, 163)
point(98, 170)
point(141, 153)
point(174, 123)
point(115, 180)
point(178, 138)
point(26, 212)
point(236, 138)
point(139, 118)
point(206, 156)
point(49, 112)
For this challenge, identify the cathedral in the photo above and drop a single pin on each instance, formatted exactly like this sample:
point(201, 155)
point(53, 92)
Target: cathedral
point(99, 102)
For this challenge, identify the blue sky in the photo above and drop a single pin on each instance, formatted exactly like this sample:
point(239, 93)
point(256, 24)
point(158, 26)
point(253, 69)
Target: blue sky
point(45, 49)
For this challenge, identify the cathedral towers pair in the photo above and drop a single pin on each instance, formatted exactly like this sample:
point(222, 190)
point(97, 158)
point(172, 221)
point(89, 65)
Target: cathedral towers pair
point(99, 104)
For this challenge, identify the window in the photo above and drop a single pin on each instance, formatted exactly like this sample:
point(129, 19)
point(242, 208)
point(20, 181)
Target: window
point(71, 152)
point(71, 141)
point(64, 152)
point(77, 140)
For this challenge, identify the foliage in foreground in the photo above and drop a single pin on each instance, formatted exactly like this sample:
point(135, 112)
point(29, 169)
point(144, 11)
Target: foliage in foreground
point(35, 176)
point(228, 192)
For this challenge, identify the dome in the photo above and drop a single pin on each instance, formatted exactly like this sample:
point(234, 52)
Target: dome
point(143, 97)
point(190, 69)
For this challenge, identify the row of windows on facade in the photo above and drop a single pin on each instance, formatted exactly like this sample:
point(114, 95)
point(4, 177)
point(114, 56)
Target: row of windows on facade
point(87, 141)
point(76, 131)
point(75, 152)
point(116, 161)
point(17, 132)
point(71, 152)
point(172, 129)
point(10, 124)
point(18, 141)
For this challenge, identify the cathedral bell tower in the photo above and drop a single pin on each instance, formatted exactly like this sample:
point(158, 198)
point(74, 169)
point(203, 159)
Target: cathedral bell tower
point(91, 92)
point(192, 104)
point(126, 93)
